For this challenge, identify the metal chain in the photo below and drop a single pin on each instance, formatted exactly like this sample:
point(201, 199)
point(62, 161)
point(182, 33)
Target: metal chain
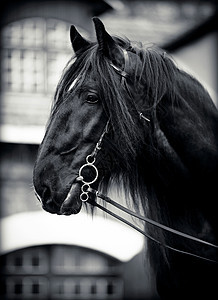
point(90, 160)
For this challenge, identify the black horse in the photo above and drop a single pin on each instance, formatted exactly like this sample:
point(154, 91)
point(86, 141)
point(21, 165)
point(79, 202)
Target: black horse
point(124, 113)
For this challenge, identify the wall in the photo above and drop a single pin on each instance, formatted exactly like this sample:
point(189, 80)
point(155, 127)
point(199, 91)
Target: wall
point(200, 58)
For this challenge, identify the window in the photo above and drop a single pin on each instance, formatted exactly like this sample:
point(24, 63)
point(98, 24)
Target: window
point(25, 287)
point(31, 261)
point(87, 288)
point(70, 261)
point(34, 52)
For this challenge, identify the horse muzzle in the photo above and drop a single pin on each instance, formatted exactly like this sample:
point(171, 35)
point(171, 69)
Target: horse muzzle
point(70, 205)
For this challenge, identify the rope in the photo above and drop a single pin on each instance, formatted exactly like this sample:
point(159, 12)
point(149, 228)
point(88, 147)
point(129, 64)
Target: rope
point(166, 228)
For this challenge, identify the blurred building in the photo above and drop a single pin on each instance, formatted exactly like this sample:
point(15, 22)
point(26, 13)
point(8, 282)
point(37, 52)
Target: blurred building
point(50, 257)
point(46, 256)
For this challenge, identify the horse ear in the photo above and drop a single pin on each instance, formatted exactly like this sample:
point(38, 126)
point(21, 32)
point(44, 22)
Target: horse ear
point(78, 42)
point(106, 43)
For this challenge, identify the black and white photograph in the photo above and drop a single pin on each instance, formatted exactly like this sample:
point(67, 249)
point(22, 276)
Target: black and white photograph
point(109, 150)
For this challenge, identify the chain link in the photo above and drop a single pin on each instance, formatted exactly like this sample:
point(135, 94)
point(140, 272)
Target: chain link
point(90, 160)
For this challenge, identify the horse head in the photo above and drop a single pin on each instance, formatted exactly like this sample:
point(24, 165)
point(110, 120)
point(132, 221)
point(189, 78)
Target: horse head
point(80, 116)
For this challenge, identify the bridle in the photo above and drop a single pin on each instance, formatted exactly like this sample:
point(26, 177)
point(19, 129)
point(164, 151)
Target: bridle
point(90, 160)
point(86, 187)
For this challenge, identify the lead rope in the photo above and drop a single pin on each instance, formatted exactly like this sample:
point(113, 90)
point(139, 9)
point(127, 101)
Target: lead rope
point(84, 197)
point(147, 220)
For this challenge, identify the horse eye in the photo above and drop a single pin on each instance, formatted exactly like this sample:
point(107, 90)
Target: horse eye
point(92, 98)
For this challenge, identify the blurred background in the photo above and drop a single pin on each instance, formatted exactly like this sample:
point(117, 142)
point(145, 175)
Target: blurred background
point(56, 257)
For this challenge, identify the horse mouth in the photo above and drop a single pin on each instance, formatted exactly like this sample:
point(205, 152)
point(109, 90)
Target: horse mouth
point(72, 203)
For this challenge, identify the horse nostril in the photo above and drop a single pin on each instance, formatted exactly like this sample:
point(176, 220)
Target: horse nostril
point(46, 194)
point(48, 203)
